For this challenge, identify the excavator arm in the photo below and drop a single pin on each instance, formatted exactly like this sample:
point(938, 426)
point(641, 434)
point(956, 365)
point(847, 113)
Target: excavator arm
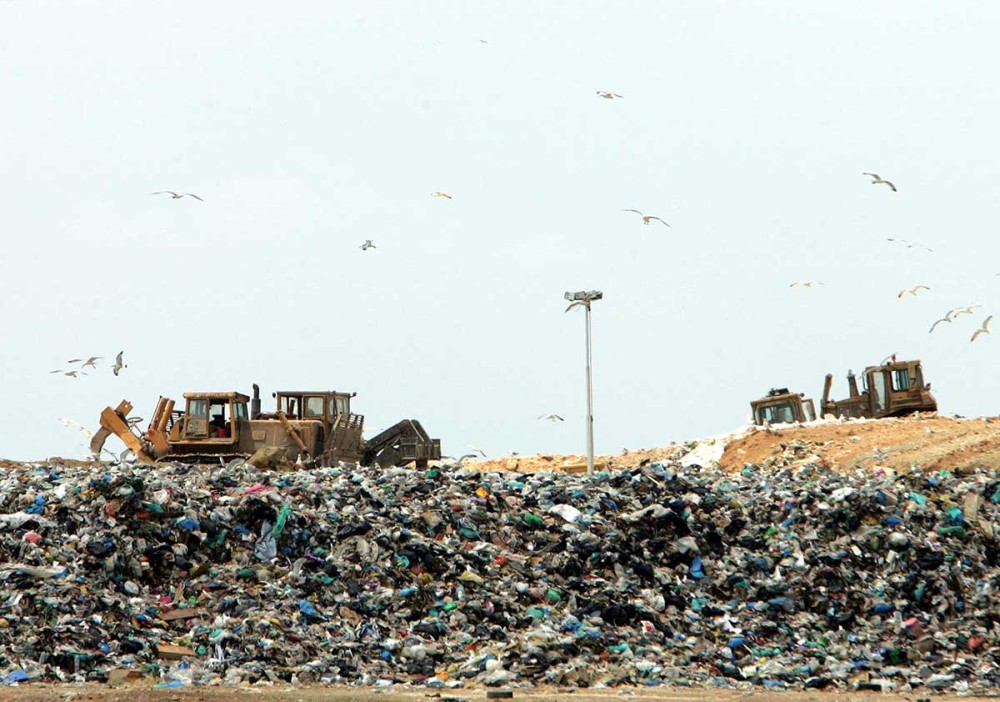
point(115, 421)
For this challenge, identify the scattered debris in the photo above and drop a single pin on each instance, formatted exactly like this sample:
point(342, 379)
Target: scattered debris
point(661, 574)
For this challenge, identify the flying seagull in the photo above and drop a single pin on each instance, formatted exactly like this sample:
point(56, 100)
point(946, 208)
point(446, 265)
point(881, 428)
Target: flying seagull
point(876, 179)
point(608, 95)
point(367, 245)
point(176, 196)
point(86, 361)
point(910, 244)
point(552, 417)
point(805, 283)
point(946, 318)
point(958, 311)
point(985, 329)
point(460, 461)
point(441, 193)
point(877, 454)
point(76, 424)
point(912, 291)
point(117, 368)
point(119, 458)
point(73, 373)
point(645, 217)
point(479, 451)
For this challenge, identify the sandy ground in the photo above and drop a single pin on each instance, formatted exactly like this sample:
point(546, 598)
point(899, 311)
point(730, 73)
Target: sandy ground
point(932, 442)
point(96, 693)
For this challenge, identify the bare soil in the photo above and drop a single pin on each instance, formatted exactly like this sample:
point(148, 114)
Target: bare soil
point(930, 441)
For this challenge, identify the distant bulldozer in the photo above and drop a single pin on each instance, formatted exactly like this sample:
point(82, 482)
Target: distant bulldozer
point(308, 426)
point(780, 406)
point(887, 390)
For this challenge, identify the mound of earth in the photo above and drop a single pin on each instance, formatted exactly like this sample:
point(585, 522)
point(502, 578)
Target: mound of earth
point(929, 441)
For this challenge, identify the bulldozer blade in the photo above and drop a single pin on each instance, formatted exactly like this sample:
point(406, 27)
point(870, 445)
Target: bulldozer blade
point(113, 421)
point(98, 439)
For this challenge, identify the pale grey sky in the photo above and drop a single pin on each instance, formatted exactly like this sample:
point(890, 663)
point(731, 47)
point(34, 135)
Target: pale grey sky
point(312, 126)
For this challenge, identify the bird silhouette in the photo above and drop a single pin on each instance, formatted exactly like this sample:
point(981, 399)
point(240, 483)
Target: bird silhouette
point(460, 461)
point(119, 364)
point(959, 311)
point(176, 196)
point(440, 193)
point(608, 95)
point(912, 291)
point(805, 283)
point(75, 424)
point(877, 454)
point(367, 245)
point(985, 329)
point(910, 244)
point(946, 318)
point(646, 219)
point(877, 180)
point(552, 417)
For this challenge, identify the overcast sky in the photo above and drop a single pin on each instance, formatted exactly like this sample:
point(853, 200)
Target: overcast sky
point(309, 127)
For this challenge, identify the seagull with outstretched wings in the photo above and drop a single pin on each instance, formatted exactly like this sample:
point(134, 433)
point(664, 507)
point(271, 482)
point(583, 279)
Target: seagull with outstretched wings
point(985, 329)
point(879, 180)
point(177, 196)
point(646, 219)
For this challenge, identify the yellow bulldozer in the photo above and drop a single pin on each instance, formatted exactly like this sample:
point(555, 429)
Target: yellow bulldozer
point(890, 389)
point(306, 426)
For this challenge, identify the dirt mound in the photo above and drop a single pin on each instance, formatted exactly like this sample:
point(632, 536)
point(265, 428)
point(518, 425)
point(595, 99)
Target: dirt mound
point(930, 441)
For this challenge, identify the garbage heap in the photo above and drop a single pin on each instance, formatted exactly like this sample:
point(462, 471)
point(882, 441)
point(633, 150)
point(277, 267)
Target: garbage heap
point(661, 574)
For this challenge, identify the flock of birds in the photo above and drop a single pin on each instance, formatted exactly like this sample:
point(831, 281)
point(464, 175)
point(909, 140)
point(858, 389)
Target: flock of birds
point(119, 364)
point(91, 362)
point(646, 218)
point(950, 315)
point(369, 244)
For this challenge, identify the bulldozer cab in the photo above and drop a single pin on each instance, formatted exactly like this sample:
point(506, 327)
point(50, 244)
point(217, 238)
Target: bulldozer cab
point(214, 417)
point(322, 406)
point(887, 390)
point(896, 388)
point(782, 407)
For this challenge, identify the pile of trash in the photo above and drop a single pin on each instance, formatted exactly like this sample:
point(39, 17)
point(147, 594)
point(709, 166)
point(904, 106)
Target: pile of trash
point(661, 574)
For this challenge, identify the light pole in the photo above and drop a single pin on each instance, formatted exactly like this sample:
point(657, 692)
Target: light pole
point(583, 299)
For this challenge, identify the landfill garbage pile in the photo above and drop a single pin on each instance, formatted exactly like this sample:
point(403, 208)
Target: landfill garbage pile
point(661, 574)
